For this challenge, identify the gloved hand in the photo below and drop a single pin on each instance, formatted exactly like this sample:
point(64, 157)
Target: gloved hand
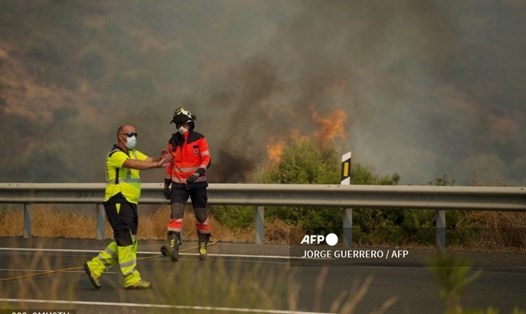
point(192, 178)
point(166, 190)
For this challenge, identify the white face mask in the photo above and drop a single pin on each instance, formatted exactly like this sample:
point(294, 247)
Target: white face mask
point(182, 130)
point(131, 142)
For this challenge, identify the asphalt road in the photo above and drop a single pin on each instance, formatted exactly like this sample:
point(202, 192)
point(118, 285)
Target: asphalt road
point(47, 274)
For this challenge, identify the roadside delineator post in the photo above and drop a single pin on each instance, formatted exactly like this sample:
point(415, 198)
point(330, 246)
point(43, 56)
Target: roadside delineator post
point(347, 213)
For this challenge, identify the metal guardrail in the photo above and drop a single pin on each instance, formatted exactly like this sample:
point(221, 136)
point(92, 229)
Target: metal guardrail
point(439, 198)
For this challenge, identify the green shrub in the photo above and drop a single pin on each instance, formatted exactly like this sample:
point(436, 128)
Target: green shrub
point(234, 216)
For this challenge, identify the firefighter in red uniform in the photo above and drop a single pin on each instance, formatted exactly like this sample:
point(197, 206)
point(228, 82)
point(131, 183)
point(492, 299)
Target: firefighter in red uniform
point(187, 177)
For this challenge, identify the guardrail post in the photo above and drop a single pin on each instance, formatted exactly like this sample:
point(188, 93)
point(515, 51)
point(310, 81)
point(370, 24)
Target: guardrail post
point(101, 217)
point(441, 229)
point(347, 227)
point(27, 221)
point(260, 224)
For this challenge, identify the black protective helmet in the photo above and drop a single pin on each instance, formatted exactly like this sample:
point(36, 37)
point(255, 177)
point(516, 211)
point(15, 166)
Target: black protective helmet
point(182, 116)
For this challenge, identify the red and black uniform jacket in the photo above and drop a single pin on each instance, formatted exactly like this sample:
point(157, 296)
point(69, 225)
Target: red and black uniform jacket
point(190, 155)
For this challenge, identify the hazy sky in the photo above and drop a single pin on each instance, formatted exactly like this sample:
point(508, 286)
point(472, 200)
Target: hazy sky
point(422, 88)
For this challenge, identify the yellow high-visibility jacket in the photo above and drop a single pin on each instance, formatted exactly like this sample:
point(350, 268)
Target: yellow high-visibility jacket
point(123, 180)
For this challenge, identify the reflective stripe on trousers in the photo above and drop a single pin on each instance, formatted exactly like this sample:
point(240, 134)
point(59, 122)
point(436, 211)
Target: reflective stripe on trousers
point(104, 260)
point(125, 256)
point(128, 262)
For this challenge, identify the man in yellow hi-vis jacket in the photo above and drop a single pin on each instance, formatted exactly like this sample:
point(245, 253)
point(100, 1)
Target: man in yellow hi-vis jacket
point(123, 189)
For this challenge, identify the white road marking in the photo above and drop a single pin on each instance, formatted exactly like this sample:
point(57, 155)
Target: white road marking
point(144, 253)
point(160, 306)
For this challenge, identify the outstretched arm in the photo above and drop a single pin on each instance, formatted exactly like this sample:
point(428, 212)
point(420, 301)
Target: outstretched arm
point(163, 153)
point(164, 160)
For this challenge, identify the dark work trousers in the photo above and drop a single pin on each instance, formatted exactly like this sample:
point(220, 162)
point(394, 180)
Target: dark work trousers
point(123, 219)
point(199, 198)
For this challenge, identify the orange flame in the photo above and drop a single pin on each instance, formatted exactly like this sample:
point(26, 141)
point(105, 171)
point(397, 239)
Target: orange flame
point(330, 127)
point(275, 150)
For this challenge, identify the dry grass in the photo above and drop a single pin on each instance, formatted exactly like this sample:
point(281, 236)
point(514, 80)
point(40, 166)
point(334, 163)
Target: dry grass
point(496, 229)
point(11, 223)
point(52, 222)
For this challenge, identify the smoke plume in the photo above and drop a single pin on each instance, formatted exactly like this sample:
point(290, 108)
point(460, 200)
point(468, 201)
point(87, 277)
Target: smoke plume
point(421, 88)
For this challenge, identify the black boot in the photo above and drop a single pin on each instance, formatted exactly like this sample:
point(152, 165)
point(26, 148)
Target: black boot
point(172, 249)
